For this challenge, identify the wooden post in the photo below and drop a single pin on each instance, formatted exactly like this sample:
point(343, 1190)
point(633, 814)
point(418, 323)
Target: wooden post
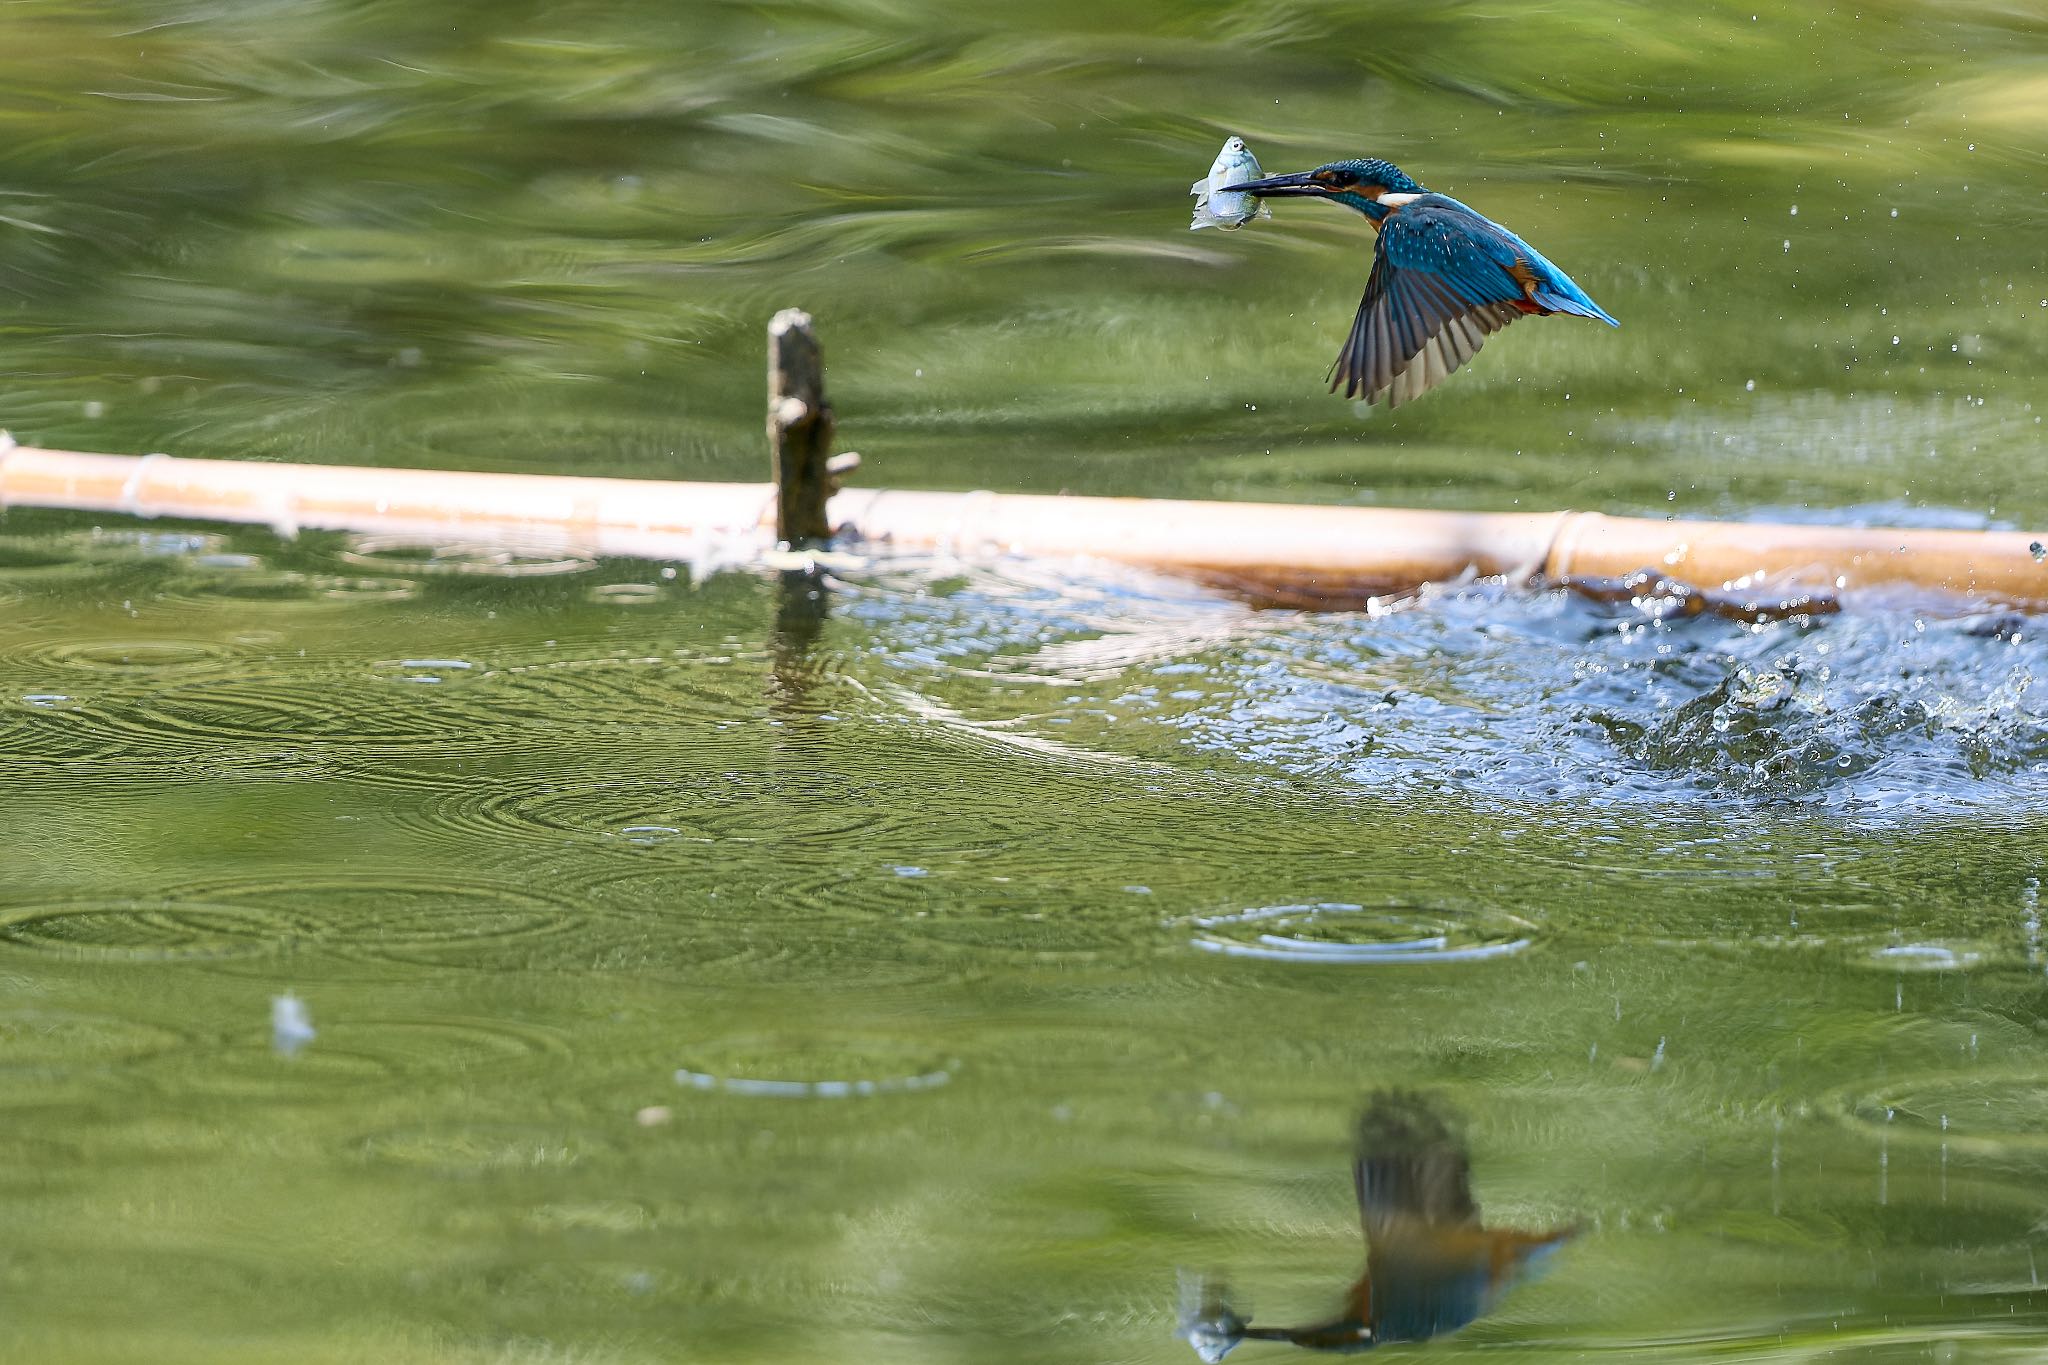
point(799, 431)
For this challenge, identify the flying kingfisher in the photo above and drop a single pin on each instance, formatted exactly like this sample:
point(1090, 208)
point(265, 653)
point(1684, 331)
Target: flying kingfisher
point(1444, 278)
point(1430, 1266)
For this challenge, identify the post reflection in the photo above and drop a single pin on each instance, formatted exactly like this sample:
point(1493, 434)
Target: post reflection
point(803, 603)
point(1430, 1266)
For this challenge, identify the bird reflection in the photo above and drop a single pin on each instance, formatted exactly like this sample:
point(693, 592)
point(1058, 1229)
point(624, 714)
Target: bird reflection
point(1430, 1267)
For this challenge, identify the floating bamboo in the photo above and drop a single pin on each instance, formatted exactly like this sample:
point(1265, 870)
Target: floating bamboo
point(1276, 554)
point(1296, 555)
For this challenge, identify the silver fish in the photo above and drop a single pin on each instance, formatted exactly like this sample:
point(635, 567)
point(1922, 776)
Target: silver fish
point(1234, 165)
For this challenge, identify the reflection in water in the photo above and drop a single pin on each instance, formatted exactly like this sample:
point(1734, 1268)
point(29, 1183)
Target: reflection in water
point(802, 603)
point(291, 1025)
point(1430, 1268)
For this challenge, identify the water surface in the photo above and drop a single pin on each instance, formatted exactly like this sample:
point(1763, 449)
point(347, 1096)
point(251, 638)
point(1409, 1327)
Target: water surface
point(700, 971)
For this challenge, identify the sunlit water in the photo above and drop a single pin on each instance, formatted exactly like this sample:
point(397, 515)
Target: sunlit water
point(684, 967)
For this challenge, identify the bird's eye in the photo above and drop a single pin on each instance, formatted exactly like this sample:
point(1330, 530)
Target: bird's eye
point(1332, 179)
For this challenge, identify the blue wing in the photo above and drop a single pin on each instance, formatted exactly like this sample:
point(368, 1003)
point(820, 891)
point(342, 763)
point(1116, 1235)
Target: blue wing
point(1444, 278)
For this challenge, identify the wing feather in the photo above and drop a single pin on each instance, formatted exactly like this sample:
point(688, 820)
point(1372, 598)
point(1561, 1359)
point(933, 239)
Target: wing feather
point(1410, 1165)
point(1439, 287)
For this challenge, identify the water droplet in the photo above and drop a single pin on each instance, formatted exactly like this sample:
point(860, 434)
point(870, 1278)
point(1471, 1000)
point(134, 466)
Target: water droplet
point(291, 1026)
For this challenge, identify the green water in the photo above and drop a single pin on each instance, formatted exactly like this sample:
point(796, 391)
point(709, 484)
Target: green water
point(599, 881)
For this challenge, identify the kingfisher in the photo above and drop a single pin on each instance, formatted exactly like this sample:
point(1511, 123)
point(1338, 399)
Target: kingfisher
point(1444, 278)
point(1430, 1266)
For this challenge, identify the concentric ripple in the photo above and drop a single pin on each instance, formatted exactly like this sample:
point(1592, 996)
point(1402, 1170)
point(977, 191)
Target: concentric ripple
point(386, 554)
point(1337, 933)
point(472, 924)
point(157, 929)
point(125, 660)
point(413, 920)
point(1931, 956)
point(41, 1041)
point(373, 1052)
point(1988, 1109)
point(315, 705)
point(772, 1068)
point(655, 813)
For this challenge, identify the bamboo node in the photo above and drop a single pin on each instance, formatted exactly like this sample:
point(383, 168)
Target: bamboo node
point(131, 487)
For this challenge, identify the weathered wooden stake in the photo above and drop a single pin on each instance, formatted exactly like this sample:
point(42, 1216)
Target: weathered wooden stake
point(799, 431)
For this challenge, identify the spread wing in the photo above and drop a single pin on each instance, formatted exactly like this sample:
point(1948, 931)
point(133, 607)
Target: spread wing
point(1443, 280)
point(1409, 1166)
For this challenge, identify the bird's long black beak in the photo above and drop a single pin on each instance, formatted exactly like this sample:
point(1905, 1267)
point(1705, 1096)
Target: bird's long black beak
point(1300, 185)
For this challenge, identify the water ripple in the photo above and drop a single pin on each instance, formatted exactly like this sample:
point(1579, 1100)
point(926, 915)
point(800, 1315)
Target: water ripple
point(168, 928)
point(1334, 932)
point(412, 558)
point(354, 1051)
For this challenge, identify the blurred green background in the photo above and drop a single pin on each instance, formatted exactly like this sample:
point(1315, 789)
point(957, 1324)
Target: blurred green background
point(528, 837)
point(547, 236)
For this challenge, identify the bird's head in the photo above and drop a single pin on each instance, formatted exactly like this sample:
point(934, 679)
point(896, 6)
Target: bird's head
point(1358, 184)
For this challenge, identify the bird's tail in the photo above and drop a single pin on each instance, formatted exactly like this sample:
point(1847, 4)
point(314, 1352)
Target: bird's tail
point(1580, 307)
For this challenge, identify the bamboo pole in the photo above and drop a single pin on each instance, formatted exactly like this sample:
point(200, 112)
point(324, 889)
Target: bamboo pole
point(636, 518)
point(1277, 553)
